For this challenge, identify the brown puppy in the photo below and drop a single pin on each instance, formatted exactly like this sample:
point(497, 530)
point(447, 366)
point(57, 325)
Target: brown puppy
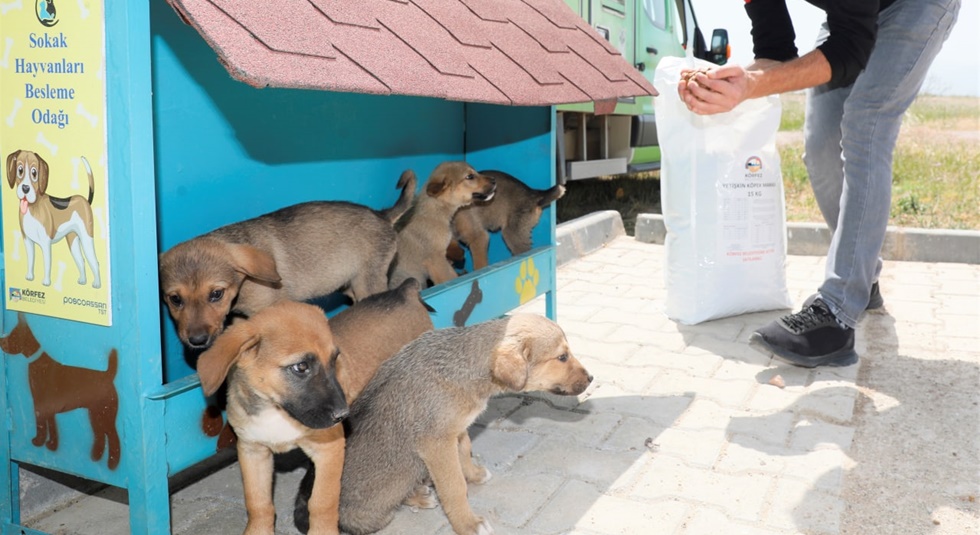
point(282, 394)
point(410, 422)
point(44, 219)
point(367, 334)
point(514, 211)
point(299, 252)
point(424, 232)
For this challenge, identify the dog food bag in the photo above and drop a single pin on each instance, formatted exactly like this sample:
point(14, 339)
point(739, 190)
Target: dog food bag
point(723, 206)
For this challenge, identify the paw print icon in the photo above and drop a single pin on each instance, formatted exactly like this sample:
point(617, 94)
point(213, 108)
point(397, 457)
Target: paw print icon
point(526, 283)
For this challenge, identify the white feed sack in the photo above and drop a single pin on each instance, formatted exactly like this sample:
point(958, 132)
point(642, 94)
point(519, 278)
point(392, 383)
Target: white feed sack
point(723, 206)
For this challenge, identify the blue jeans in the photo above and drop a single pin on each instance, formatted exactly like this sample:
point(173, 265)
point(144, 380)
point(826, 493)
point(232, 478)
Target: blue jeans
point(850, 135)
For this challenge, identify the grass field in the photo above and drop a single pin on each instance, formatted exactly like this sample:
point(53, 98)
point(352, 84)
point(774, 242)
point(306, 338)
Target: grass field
point(936, 171)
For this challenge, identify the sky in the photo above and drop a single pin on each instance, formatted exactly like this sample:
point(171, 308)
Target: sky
point(955, 71)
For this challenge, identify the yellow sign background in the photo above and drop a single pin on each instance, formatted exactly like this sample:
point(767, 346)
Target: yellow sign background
point(53, 103)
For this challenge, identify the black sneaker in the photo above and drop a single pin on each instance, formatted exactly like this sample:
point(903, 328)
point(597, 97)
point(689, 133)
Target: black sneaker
point(812, 337)
point(875, 301)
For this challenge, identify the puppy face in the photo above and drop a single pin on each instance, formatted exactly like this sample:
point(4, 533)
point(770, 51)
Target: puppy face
point(458, 184)
point(200, 280)
point(283, 355)
point(28, 174)
point(534, 355)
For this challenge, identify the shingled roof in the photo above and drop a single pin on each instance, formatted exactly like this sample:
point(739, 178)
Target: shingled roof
point(515, 52)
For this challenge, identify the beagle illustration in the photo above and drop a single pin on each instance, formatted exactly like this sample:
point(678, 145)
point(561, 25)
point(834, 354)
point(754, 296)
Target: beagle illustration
point(45, 219)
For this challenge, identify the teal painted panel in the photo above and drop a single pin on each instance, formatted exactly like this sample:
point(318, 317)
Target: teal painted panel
point(189, 423)
point(519, 141)
point(492, 291)
point(251, 151)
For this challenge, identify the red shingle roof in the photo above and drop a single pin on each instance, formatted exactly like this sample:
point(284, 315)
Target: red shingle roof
point(519, 52)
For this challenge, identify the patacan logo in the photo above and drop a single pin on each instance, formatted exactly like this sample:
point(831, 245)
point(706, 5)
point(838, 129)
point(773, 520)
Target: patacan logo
point(47, 13)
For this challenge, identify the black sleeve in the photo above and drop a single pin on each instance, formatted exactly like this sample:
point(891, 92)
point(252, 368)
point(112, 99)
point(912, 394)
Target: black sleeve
point(772, 30)
point(853, 28)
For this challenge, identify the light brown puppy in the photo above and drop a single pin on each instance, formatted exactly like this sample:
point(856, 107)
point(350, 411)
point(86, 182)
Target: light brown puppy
point(514, 211)
point(299, 252)
point(410, 422)
point(45, 219)
point(366, 334)
point(282, 394)
point(424, 231)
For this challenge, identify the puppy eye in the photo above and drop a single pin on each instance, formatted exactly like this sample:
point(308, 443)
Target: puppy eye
point(175, 300)
point(216, 295)
point(563, 357)
point(470, 176)
point(300, 368)
point(34, 174)
point(20, 171)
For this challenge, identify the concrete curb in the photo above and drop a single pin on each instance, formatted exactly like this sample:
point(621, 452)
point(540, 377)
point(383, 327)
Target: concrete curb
point(583, 235)
point(812, 239)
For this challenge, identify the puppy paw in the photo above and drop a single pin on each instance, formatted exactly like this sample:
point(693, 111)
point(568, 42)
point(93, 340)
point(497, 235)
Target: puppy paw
point(478, 475)
point(421, 498)
point(483, 528)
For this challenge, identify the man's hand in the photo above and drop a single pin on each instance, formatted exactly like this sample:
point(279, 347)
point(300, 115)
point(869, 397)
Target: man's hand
point(716, 90)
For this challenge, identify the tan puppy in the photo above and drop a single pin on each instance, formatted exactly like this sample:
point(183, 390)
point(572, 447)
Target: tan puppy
point(44, 219)
point(424, 232)
point(366, 334)
point(282, 394)
point(299, 252)
point(514, 211)
point(410, 422)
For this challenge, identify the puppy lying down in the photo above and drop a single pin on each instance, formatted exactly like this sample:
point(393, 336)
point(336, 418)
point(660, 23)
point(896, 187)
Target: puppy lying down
point(409, 425)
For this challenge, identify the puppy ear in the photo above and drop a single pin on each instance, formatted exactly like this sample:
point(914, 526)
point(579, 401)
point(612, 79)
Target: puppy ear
point(213, 365)
point(254, 262)
point(12, 167)
point(42, 174)
point(436, 185)
point(510, 363)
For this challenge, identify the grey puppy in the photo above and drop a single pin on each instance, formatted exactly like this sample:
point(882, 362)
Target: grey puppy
point(409, 425)
point(514, 211)
point(298, 252)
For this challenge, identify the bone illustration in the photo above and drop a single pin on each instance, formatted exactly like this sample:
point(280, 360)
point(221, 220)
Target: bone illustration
point(86, 115)
point(8, 44)
point(62, 267)
point(47, 144)
point(13, 112)
point(10, 6)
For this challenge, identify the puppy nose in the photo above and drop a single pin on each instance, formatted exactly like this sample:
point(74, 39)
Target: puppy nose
point(25, 188)
point(198, 339)
point(590, 377)
point(340, 414)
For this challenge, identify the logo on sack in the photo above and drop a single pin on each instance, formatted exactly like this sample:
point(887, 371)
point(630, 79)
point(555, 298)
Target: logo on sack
point(753, 164)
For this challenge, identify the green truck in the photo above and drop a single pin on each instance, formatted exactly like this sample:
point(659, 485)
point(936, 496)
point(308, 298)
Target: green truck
point(644, 31)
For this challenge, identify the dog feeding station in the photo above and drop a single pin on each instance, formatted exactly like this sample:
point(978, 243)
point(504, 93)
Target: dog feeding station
point(144, 123)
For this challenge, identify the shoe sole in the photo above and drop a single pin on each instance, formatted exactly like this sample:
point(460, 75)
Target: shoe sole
point(839, 358)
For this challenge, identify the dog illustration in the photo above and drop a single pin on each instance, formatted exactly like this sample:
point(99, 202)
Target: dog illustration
point(409, 425)
point(514, 212)
point(45, 219)
point(57, 388)
point(424, 232)
point(291, 373)
point(299, 252)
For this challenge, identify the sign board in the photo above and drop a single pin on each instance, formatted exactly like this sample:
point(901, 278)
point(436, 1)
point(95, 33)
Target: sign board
point(53, 146)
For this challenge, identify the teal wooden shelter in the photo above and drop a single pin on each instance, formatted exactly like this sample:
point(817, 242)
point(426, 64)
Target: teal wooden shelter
point(221, 110)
